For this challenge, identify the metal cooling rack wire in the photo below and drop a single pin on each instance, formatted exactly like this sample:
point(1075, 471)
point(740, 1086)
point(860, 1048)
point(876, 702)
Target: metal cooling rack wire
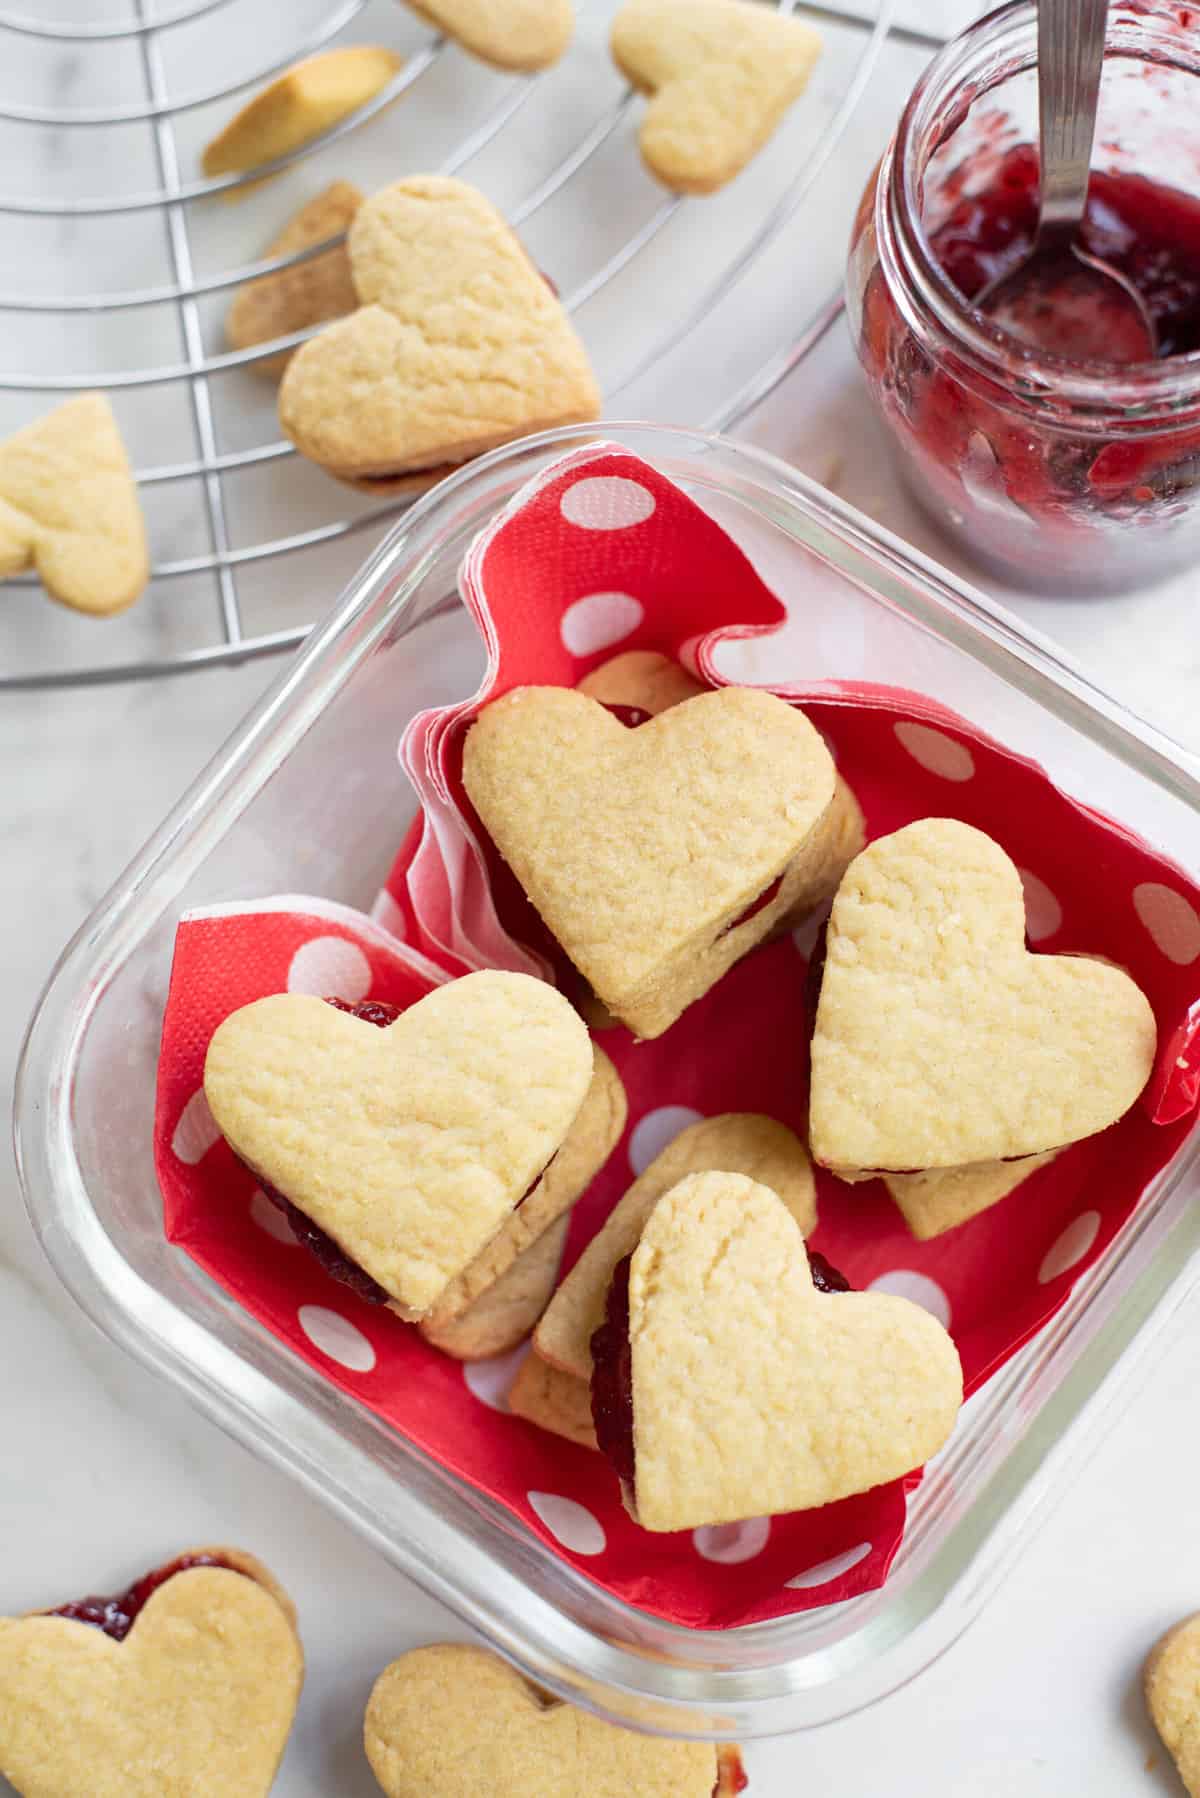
point(211, 467)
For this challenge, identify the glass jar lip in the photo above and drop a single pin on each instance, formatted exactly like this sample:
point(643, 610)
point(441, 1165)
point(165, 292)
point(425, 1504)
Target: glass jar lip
point(1005, 42)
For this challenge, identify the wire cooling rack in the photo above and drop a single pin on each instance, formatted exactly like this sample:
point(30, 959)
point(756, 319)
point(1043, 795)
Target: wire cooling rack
point(118, 261)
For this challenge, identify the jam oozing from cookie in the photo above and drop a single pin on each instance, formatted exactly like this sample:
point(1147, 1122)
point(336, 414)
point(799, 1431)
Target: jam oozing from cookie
point(628, 715)
point(756, 905)
point(371, 1011)
point(612, 1377)
point(814, 975)
point(116, 1615)
point(612, 1366)
point(732, 1777)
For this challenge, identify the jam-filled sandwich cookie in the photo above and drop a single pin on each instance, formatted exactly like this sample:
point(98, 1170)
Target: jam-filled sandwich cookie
point(1172, 1686)
point(656, 856)
point(450, 1721)
point(458, 345)
point(727, 1384)
point(184, 1684)
point(721, 74)
point(407, 1148)
point(941, 1043)
point(735, 1142)
point(555, 1401)
point(310, 293)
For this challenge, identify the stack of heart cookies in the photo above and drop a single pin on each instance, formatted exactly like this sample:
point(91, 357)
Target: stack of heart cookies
point(432, 1159)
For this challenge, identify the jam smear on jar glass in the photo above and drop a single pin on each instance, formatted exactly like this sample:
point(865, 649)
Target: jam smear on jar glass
point(116, 1615)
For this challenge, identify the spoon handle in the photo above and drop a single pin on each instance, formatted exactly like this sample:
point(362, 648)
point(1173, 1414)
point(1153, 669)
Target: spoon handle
point(1070, 56)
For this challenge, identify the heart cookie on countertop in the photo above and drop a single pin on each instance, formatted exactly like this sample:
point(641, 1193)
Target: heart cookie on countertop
point(69, 508)
point(1172, 1686)
point(409, 1146)
point(753, 1393)
point(458, 345)
point(187, 1683)
point(658, 856)
point(721, 74)
point(737, 1142)
point(451, 1721)
point(939, 1039)
point(510, 34)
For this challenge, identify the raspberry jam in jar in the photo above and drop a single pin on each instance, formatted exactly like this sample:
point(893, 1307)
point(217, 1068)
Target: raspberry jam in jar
point(1060, 473)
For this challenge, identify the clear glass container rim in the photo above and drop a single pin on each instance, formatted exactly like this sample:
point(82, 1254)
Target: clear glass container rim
point(1000, 44)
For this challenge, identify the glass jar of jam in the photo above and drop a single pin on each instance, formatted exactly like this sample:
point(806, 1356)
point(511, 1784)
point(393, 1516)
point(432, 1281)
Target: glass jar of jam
point(1059, 473)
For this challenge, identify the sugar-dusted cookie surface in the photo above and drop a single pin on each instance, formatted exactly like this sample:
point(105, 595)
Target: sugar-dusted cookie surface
point(589, 1142)
point(554, 1400)
point(297, 106)
point(940, 1040)
point(458, 345)
point(753, 1393)
point(1172, 1685)
point(642, 848)
point(311, 293)
point(941, 1198)
point(721, 74)
point(196, 1700)
point(738, 1142)
point(69, 508)
point(506, 1311)
point(510, 34)
point(457, 1722)
point(409, 1146)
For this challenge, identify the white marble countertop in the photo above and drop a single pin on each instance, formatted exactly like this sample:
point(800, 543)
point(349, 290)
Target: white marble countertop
point(104, 1471)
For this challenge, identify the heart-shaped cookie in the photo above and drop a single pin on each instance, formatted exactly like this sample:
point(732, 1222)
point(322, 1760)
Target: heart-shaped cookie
point(1172, 1684)
point(736, 1142)
point(409, 1146)
point(458, 345)
point(590, 1141)
point(940, 1040)
point(555, 1401)
point(510, 34)
point(311, 293)
point(652, 854)
point(940, 1198)
point(450, 1721)
point(301, 103)
point(722, 74)
point(196, 1700)
point(753, 1393)
point(69, 508)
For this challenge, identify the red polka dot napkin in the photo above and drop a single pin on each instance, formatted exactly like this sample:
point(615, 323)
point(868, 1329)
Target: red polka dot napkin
point(599, 554)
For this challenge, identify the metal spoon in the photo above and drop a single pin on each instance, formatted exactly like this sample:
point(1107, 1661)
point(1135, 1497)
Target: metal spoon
point(1059, 298)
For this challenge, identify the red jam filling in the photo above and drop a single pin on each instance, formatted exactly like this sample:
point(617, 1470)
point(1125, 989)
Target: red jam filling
point(629, 715)
point(732, 1777)
point(756, 905)
point(116, 1615)
point(814, 975)
point(1149, 233)
point(612, 1365)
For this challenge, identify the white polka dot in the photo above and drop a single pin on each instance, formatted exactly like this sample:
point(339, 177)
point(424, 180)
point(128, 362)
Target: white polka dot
point(330, 967)
point(652, 1133)
point(1171, 921)
point(196, 1131)
point(938, 753)
point(270, 1218)
point(903, 1283)
point(1043, 913)
point(389, 915)
point(826, 1571)
point(337, 1337)
point(598, 620)
point(572, 1524)
point(731, 1543)
point(1070, 1247)
point(606, 502)
point(805, 935)
point(492, 1380)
